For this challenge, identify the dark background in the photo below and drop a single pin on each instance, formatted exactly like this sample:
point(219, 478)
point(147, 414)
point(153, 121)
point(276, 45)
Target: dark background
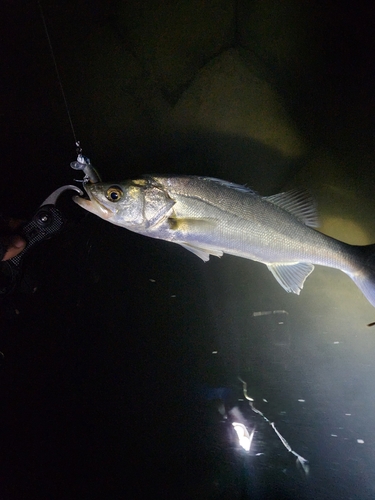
point(101, 380)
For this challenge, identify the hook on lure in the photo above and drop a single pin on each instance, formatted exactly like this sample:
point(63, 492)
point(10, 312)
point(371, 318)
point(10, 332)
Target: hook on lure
point(83, 163)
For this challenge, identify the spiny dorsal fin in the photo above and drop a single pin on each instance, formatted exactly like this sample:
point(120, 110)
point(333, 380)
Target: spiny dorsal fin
point(229, 185)
point(298, 202)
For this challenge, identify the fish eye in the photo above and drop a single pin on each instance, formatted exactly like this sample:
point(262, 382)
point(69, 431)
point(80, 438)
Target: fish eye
point(114, 193)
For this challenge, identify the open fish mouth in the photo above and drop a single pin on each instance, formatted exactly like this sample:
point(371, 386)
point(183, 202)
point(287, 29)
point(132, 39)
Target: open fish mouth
point(91, 204)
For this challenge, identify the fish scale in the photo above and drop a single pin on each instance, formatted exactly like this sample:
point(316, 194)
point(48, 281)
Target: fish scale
point(210, 216)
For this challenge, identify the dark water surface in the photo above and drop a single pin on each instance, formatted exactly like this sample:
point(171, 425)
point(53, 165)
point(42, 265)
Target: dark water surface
point(107, 367)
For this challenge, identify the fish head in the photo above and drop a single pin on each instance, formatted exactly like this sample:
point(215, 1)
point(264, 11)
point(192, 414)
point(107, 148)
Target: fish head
point(133, 204)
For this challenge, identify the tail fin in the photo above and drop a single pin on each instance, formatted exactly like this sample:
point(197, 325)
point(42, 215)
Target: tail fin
point(365, 277)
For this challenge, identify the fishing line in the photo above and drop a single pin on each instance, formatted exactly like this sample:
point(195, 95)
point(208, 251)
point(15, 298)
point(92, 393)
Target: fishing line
point(77, 143)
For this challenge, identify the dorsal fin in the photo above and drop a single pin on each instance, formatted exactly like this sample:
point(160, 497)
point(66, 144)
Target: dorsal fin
point(298, 202)
point(230, 185)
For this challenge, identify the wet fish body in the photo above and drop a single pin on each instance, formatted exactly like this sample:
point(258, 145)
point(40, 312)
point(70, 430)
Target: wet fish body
point(211, 217)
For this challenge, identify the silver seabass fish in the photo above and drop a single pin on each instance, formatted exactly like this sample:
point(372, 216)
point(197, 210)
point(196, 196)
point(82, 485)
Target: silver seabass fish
point(212, 217)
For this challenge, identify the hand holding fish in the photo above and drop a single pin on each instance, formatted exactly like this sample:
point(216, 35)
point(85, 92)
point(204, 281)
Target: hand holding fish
point(10, 246)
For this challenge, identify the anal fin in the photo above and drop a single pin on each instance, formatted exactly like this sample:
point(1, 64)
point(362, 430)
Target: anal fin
point(291, 276)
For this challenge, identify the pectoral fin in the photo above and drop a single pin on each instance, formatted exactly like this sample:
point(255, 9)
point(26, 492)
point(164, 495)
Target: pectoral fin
point(190, 224)
point(195, 226)
point(291, 276)
point(201, 252)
